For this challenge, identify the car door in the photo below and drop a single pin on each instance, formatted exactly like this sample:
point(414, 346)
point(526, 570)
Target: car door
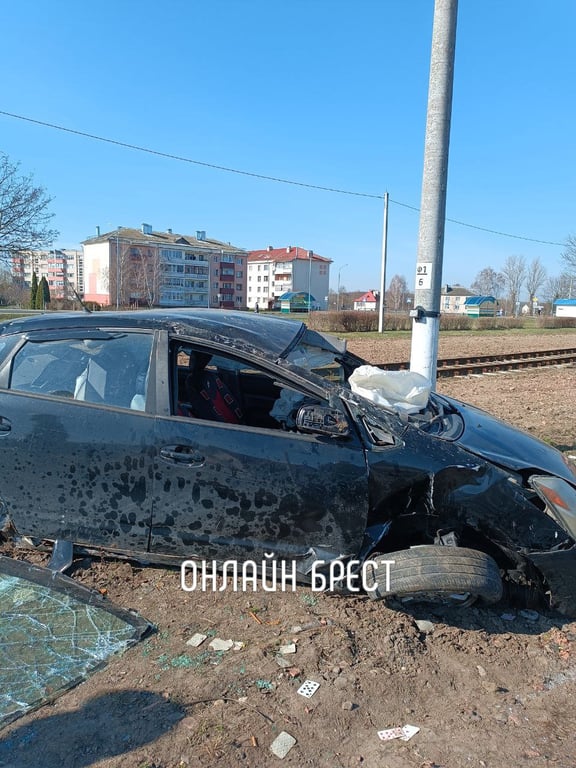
point(76, 448)
point(239, 490)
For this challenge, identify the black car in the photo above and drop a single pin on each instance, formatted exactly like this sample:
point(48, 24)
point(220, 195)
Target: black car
point(203, 435)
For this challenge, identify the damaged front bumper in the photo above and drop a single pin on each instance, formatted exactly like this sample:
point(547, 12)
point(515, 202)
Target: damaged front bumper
point(558, 567)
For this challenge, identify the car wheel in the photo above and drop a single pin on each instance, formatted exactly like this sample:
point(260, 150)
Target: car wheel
point(435, 574)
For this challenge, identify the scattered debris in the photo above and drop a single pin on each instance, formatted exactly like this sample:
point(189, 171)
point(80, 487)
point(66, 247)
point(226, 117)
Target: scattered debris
point(264, 685)
point(404, 733)
point(425, 626)
point(316, 624)
point(282, 744)
point(196, 639)
point(288, 648)
point(282, 662)
point(54, 633)
point(308, 688)
point(225, 645)
point(221, 645)
point(294, 671)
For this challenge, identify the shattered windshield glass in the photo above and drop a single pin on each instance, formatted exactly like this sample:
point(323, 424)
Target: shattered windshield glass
point(53, 634)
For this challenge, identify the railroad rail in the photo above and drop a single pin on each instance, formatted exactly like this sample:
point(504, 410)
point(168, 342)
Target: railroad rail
point(478, 364)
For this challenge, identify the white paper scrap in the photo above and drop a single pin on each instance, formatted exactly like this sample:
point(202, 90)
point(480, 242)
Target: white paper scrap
point(289, 648)
point(196, 639)
point(282, 744)
point(221, 645)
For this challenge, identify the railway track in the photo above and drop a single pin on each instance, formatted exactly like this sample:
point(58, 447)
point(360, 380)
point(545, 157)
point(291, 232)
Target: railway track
point(478, 364)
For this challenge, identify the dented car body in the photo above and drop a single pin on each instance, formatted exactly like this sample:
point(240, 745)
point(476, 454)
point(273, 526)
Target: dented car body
point(170, 434)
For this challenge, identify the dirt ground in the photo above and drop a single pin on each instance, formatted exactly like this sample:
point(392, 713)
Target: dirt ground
point(487, 687)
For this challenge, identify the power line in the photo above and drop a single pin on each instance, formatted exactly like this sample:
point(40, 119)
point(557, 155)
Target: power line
point(262, 176)
point(156, 152)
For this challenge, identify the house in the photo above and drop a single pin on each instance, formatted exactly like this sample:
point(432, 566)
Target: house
point(452, 299)
point(368, 302)
point(273, 272)
point(480, 306)
point(565, 307)
point(144, 267)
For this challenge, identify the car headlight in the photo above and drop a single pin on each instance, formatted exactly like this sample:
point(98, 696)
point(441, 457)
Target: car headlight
point(560, 498)
point(570, 463)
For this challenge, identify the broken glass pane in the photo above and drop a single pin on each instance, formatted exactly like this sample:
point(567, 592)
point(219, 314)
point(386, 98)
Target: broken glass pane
point(53, 633)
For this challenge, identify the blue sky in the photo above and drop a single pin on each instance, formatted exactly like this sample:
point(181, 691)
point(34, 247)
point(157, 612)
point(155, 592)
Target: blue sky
point(322, 92)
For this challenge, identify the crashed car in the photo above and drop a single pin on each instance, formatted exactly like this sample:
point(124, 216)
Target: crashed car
point(165, 435)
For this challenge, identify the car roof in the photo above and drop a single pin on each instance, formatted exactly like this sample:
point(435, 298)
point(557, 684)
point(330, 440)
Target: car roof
point(248, 331)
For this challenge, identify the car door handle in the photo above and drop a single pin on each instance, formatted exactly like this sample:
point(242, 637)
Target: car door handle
point(5, 425)
point(182, 454)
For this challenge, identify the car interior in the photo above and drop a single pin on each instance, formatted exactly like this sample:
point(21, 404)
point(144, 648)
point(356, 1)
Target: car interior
point(111, 371)
point(221, 388)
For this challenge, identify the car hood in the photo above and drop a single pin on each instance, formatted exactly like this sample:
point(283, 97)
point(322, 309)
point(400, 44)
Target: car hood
point(506, 446)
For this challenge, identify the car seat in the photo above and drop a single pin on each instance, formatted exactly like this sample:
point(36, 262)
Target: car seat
point(208, 396)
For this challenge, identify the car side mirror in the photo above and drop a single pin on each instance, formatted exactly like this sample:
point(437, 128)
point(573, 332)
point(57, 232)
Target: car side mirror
point(322, 420)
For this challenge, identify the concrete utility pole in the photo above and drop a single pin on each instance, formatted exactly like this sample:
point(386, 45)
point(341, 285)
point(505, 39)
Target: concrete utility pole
point(383, 267)
point(426, 312)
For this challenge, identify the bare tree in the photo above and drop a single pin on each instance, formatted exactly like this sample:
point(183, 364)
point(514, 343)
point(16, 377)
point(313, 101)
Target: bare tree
point(143, 276)
point(569, 254)
point(12, 293)
point(488, 282)
point(535, 277)
point(514, 274)
point(396, 293)
point(561, 287)
point(24, 215)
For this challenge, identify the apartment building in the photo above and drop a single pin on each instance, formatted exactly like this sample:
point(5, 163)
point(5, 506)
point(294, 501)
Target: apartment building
point(273, 272)
point(62, 268)
point(144, 267)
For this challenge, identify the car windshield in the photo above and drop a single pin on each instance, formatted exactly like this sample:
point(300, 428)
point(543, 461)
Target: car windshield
point(321, 354)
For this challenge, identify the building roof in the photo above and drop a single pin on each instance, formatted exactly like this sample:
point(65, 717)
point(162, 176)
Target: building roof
point(367, 298)
point(290, 253)
point(476, 300)
point(167, 238)
point(455, 290)
point(289, 295)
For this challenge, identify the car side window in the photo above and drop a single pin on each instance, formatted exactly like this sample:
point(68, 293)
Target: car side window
point(225, 389)
point(112, 370)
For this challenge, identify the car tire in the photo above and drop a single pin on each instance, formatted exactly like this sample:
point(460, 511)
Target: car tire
point(437, 574)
